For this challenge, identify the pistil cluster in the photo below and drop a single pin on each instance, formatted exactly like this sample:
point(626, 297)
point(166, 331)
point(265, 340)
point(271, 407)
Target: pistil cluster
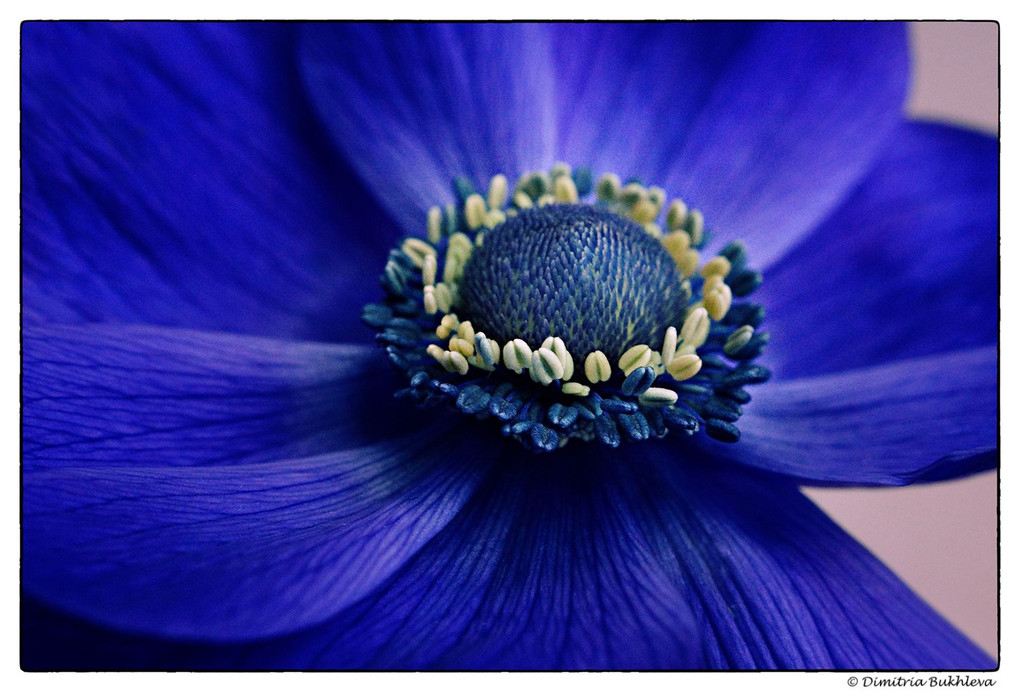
point(564, 318)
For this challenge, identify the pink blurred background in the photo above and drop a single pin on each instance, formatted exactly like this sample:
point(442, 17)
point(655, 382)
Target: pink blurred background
point(942, 539)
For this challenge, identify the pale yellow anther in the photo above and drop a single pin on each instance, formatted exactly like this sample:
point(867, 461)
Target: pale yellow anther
point(417, 250)
point(444, 297)
point(676, 217)
point(644, 211)
point(460, 246)
point(474, 211)
point(718, 265)
point(712, 283)
point(559, 170)
point(653, 230)
point(497, 191)
point(447, 325)
point(669, 345)
point(608, 187)
point(455, 362)
point(495, 350)
point(738, 339)
point(635, 357)
point(657, 397)
point(684, 367)
point(545, 200)
point(545, 366)
point(695, 328)
point(462, 346)
point(517, 355)
point(479, 239)
point(429, 299)
point(696, 226)
point(564, 190)
point(522, 200)
point(688, 262)
point(466, 331)
point(428, 270)
point(676, 244)
point(436, 352)
point(492, 219)
point(434, 225)
point(575, 389)
point(718, 302)
point(452, 267)
point(560, 349)
point(597, 368)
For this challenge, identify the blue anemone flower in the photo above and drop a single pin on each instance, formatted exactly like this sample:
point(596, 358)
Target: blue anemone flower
point(216, 472)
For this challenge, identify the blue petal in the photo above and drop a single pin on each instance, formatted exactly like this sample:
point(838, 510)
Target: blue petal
point(627, 94)
point(544, 569)
point(239, 552)
point(107, 395)
point(907, 267)
point(778, 585)
point(917, 420)
point(590, 563)
point(414, 105)
point(174, 175)
point(764, 127)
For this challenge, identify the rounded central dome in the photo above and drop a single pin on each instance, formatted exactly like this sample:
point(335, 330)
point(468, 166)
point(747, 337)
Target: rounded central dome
point(593, 278)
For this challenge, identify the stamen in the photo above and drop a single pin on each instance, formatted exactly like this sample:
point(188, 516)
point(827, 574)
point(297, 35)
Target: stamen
point(635, 357)
point(684, 367)
point(517, 355)
point(435, 225)
point(597, 368)
point(546, 366)
point(497, 192)
point(474, 211)
point(564, 190)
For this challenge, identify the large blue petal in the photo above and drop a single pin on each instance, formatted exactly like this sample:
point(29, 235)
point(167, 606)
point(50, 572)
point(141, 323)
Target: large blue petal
point(592, 563)
point(926, 419)
point(109, 395)
point(238, 552)
point(414, 105)
point(906, 267)
point(776, 584)
point(765, 127)
point(545, 568)
point(627, 94)
point(173, 174)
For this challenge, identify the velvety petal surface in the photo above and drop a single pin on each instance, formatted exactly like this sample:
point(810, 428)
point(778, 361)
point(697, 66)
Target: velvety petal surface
point(924, 419)
point(605, 561)
point(174, 174)
point(111, 395)
point(413, 105)
point(544, 568)
point(776, 584)
point(906, 267)
point(764, 127)
point(239, 552)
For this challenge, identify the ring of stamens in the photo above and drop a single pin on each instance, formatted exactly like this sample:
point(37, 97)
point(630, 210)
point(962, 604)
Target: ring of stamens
point(693, 374)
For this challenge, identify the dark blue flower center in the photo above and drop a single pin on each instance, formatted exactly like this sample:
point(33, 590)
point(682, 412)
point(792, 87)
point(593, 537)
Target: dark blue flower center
point(595, 279)
point(565, 317)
